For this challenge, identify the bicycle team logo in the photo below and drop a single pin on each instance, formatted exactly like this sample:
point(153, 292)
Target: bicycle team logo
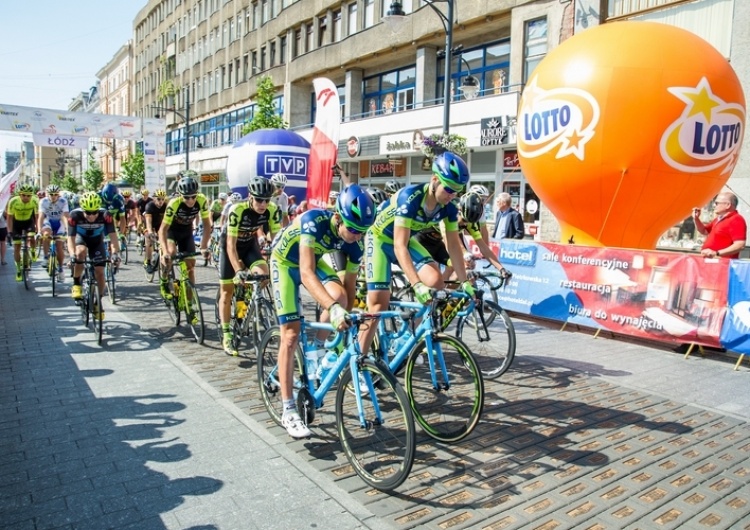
point(707, 135)
point(560, 119)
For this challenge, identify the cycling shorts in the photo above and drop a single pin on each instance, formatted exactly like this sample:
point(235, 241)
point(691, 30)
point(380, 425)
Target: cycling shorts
point(249, 255)
point(380, 255)
point(20, 226)
point(286, 280)
point(96, 247)
point(183, 240)
point(56, 227)
point(435, 247)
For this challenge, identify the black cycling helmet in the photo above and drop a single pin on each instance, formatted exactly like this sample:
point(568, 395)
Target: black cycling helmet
point(260, 187)
point(109, 192)
point(471, 207)
point(187, 185)
point(378, 195)
point(356, 208)
point(392, 186)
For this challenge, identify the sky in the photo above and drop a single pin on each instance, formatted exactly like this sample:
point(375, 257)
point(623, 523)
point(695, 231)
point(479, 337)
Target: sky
point(50, 51)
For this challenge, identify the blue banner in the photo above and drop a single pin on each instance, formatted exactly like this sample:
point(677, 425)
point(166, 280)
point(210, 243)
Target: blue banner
point(735, 334)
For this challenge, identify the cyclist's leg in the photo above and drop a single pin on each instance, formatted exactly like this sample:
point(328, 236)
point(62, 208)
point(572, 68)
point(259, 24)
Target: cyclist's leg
point(46, 233)
point(60, 234)
point(330, 280)
point(378, 258)
point(80, 255)
point(226, 291)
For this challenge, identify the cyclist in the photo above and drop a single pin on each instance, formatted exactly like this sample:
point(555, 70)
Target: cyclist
point(131, 211)
point(390, 240)
point(217, 206)
point(153, 216)
point(232, 199)
point(51, 221)
point(142, 203)
point(114, 203)
point(296, 260)
point(21, 216)
point(280, 198)
point(87, 227)
point(176, 231)
point(249, 222)
point(392, 187)
point(333, 198)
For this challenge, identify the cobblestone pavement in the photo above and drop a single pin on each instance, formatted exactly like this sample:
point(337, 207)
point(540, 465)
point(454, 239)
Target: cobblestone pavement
point(562, 444)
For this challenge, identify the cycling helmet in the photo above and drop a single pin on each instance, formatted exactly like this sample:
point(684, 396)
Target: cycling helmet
point(333, 195)
point(278, 180)
point(161, 192)
point(52, 189)
point(451, 170)
point(392, 186)
point(127, 194)
point(260, 187)
point(187, 173)
point(187, 185)
point(378, 195)
point(144, 191)
point(356, 208)
point(25, 189)
point(471, 207)
point(222, 196)
point(90, 201)
point(109, 192)
point(480, 190)
point(236, 197)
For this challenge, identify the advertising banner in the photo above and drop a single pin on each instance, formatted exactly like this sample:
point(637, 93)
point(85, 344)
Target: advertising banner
point(735, 334)
point(155, 153)
point(65, 123)
point(7, 186)
point(664, 296)
point(325, 141)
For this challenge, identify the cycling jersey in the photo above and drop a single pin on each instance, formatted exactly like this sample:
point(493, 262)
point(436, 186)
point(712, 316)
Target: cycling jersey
point(22, 211)
point(142, 203)
point(115, 207)
point(244, 222)
point(282, 201)
point(156, 212)
point(80, 226)
point(54, 211)
point(130, 205)
point(180, 216)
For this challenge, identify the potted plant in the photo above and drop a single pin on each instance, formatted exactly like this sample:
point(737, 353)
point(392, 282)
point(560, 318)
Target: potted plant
point(438, 143)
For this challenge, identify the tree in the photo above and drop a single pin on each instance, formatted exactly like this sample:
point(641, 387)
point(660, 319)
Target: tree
point(70, 183)
point(93, 176)
point(133, 170)
point(265, 116)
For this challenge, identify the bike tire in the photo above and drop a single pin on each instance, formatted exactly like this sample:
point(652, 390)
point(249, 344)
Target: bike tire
point(217, 318)
point(447, 414)
point(490, 295)
point(494, 356)
point(124, 250)
point(25, 268)
point(111, 283)
point(265, 319)
point(381, 453)
point(193, 306)
point(172, 304)
point(268, 373)
point(95, 303)
point(52, 271)
point(84, 301)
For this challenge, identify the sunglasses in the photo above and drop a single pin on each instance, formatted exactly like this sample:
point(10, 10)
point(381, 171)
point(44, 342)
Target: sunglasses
point(25, 194)
point(451, 191)
point(94, 212)
point(354, 231)
point(189, 197)
point(262, 199)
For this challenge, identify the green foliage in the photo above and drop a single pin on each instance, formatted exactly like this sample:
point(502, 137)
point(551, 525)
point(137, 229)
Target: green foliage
point(70, 183)
point(133, 170)
point(93, 176)
point(266, 116)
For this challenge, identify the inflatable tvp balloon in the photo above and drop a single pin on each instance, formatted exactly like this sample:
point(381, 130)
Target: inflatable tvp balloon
point(627, 126)
point(268, 151)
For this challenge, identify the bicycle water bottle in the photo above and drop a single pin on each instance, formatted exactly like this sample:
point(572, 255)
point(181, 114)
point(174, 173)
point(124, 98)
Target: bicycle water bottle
point(241, 308)
point(311, 363)
point(326, 364)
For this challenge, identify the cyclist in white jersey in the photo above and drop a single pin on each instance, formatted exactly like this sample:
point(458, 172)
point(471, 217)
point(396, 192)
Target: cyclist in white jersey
point(280, 198)
point(52, 222)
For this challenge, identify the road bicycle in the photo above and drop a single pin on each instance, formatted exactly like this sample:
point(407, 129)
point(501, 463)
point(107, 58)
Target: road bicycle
point(54, 267)
point(214, 248)
point(152, 266)
point(91, 302)
point(27, 257)
point(183, 296)
point(252, 312)
point(441, 375)
point(373, 419)
point(110, 273)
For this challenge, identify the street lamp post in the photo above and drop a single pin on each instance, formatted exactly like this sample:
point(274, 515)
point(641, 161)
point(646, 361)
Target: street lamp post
point(113, 147)
point(186, 118)
point(396, 15)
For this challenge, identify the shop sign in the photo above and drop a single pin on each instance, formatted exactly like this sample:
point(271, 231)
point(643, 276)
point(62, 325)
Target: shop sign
point(510, 159)
point(401, 143)
point(210, 178)
point(353, 147)
point(381, 168)
point(496, 130)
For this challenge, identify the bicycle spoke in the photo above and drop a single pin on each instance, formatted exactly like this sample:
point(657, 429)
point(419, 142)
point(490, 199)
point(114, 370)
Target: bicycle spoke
point(268, 373)
point(194, 312)
point(494, 356)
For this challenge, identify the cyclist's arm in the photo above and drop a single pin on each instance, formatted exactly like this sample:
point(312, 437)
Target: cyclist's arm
point(350, 286)
point(9, 218)
point(206, 235)
point(486, 251)
point(163, 229)
point(149, 223)
point(401, 238)
point(232, 255)
point(308, 264)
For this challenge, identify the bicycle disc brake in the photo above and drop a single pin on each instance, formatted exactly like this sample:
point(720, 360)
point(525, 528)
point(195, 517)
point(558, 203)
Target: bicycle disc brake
point(305, 406)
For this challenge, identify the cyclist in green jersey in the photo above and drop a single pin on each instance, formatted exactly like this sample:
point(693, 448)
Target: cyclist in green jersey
point(22, 211)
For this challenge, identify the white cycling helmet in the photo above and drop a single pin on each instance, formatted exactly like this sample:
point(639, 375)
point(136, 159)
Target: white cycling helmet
point(480, 190)
point(222, 196)
point(236, 197)
point(278, 180)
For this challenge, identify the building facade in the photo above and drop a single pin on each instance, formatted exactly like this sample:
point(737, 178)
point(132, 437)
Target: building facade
point(203, 58)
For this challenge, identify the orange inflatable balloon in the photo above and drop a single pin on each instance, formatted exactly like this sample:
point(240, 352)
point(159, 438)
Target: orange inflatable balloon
point(625, 127)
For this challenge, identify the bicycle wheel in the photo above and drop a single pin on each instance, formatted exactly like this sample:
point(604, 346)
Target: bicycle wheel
point(111, 282)
point(95, 303)
point(84, 301)
point(450, 412)
point(25, 268)
point(173, 307)
point(268, 373)
point(217, 318)
point(194, 311)
point(124, 250)
point(495, 354)
point(52, 271)
point(265, 319)
point(490, 295)
point(381, 444)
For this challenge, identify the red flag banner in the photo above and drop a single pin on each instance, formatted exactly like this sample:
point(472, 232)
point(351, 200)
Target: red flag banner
point(325, 141)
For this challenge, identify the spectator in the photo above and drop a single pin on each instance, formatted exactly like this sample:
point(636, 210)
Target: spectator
point(508, 222)
point(727, 232)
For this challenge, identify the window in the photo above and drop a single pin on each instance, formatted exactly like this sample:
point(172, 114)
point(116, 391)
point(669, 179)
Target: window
point(337, 26)
point(369, 13)
point(352, 8)
point(254, 21)
point(245, 66)
point(263, 58)
point(309, 38)
point(322, 31)
point(272, 55)
point(265, 11)
point(535, 45)
point(297, 51)
point(282, 50)
point(489, 64)
point(389, 92)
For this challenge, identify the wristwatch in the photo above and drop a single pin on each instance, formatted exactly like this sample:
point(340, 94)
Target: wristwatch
point(718, 252)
